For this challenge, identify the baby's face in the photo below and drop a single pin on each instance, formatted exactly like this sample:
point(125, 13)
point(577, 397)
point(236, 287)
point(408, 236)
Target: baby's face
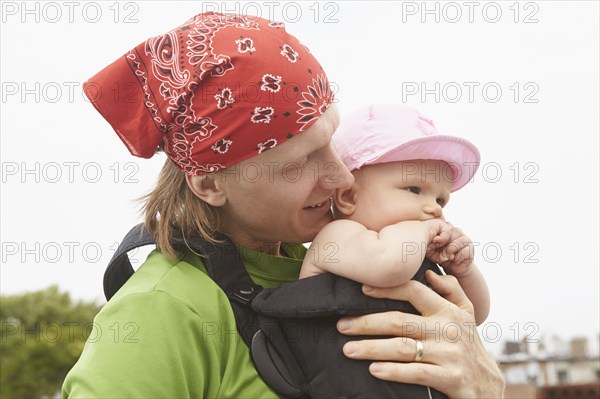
point(393, 192)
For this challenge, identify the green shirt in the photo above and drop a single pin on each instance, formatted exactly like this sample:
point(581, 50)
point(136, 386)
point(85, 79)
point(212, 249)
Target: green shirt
point(169, 332)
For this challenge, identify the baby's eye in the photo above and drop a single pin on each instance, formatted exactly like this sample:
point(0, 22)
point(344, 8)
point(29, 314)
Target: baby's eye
point(414, 189)
point(441, 202)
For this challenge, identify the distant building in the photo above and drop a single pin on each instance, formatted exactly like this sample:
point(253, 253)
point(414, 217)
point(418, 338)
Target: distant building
point(581, 391)
point(572, 372)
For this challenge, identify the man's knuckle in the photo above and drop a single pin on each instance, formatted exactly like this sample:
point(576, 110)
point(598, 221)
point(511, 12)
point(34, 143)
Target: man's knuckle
point(401, 350)
point(394, 373)
point(452, 279)
point(397, 321)
point(469, 307)
point(455, 377)
point(452, 351)
point(364, 323)
point(414, 288)
point(457, 313)
point(421, 376)
point(366, 347)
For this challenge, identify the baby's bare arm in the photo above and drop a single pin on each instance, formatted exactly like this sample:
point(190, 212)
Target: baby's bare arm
point(383, 259)
point(474, 285)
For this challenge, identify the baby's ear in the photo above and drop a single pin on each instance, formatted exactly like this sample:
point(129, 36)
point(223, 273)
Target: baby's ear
point(344, 200)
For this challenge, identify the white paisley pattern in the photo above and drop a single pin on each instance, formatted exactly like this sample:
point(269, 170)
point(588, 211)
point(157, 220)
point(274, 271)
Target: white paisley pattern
point(288, 52)
point(271, 83)
point(224, 98)
point(262, 115)
point(315, 101)
point(245, 45)
point(164, 51)
point(221, 146)
point(267, 145)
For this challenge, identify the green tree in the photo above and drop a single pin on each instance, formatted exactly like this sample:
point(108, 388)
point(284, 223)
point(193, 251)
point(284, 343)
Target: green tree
point(42, 336)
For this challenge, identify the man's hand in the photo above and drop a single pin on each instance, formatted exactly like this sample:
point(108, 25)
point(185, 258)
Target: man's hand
point(454, 360)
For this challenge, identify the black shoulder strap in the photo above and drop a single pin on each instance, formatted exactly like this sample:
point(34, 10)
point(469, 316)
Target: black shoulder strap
point(119, 268)
point(223, 264)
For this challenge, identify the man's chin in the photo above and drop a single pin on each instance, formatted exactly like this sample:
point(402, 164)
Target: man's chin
point(310, 232)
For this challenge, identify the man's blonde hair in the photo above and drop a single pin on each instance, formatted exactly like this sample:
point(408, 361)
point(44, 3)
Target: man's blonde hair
point(171, 209)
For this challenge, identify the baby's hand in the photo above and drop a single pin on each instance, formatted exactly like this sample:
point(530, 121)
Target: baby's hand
point(456, 256)
point(440, 232)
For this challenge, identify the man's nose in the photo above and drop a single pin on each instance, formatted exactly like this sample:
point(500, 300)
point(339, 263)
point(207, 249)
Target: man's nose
point(333, 174)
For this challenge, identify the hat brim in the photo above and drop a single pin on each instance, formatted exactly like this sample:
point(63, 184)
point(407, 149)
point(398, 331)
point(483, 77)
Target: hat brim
point(462, 156)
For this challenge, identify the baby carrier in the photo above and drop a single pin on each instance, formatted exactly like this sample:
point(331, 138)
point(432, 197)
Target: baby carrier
point(291, 329)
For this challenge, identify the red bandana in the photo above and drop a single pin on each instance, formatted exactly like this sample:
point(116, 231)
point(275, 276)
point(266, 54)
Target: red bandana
point(215, 91)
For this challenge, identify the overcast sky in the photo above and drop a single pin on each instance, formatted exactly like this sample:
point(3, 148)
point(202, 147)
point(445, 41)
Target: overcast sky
point(520, 80)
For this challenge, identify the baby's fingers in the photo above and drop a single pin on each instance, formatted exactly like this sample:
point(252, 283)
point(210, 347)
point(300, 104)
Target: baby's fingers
point(445, 235)
point(464, 255)
point(439, 241)
point(458, 248)
point(436, 256)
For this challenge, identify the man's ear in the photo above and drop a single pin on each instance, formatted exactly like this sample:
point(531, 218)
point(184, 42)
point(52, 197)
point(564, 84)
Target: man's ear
point(345, 200)
point(207, 188)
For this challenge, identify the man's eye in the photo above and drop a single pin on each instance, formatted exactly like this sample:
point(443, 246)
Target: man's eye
point(414, 190)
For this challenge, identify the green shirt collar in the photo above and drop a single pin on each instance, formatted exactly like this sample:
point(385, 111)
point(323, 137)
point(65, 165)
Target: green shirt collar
point(271, 271)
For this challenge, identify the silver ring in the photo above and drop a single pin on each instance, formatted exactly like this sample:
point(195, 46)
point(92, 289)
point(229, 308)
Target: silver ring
point(419, 354)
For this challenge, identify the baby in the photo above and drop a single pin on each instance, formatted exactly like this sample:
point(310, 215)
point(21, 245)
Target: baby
point(392, 216)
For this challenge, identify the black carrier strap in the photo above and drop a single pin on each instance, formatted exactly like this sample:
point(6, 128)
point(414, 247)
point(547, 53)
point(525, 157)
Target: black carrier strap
point(119, 268)
point(223, 264)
